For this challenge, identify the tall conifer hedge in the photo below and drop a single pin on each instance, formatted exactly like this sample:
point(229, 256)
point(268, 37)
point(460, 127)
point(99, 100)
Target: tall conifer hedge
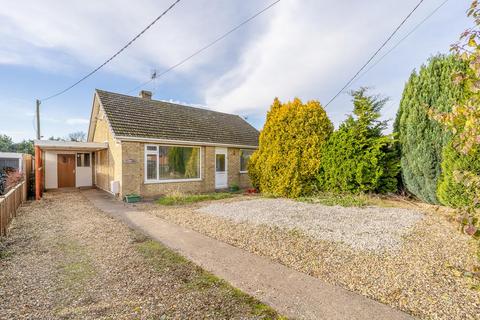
point(288, 156)
point(422, 139)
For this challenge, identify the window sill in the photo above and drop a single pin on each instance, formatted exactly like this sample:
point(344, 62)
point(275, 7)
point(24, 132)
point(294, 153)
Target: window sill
point(171, 181)
point(243, 171)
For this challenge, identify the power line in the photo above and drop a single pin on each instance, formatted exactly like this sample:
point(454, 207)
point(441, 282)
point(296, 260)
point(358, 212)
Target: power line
point(376, 52)
point(403, 39)
point(223, 36)
point(115, 55)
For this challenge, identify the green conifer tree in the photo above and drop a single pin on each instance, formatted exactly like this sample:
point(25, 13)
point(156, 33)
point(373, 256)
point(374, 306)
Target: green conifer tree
point(358, 157)
point(422, 139)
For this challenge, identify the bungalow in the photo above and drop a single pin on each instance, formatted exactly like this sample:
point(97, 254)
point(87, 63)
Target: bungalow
point(137, 145)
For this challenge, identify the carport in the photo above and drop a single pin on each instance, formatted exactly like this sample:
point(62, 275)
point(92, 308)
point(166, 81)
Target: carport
point(64, 164)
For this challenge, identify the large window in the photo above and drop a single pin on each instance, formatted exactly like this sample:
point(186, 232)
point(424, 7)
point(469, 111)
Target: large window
point(165, 163)
point(245, 155)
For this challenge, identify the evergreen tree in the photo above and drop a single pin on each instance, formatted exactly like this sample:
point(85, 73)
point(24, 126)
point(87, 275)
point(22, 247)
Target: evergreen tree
point(422, 139)
point(6, 143)
point(358, 157)
point(288, 157)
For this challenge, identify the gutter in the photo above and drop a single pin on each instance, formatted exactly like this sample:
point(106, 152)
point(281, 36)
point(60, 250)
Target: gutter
point(182, 142)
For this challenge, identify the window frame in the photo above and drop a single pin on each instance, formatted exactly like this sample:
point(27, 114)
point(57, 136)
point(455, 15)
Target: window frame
point(240, 159)
point(82, 160)
point(151, 152)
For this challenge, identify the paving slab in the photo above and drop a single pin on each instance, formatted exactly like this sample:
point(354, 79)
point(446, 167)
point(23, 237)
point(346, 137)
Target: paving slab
point(292, 293)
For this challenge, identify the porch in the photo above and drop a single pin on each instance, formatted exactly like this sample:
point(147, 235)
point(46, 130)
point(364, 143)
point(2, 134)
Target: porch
point(64, 164)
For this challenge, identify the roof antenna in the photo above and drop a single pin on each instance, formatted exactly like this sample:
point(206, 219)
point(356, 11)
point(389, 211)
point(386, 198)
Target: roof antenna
point(153, 76)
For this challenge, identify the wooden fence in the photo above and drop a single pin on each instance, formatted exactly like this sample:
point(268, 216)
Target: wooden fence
point(9, 204)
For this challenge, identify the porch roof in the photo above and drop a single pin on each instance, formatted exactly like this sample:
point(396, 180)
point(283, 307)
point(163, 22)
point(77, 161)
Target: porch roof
point(70, 145)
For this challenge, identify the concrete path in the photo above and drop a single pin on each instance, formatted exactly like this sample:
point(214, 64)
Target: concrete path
point(291, 293)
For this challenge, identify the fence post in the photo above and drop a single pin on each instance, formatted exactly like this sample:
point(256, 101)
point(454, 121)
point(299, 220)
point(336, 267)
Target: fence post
point(2, 218)
point(9, 204)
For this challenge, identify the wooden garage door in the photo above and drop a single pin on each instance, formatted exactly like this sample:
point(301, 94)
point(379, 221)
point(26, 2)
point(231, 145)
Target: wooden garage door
point(66, 170)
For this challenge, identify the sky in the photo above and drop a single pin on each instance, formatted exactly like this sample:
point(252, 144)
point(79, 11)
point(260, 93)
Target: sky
point(299, 48)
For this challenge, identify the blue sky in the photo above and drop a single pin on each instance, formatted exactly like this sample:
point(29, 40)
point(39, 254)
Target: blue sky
point(307, 48)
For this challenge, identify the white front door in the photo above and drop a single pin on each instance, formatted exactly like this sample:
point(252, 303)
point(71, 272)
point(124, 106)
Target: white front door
point(221, 170)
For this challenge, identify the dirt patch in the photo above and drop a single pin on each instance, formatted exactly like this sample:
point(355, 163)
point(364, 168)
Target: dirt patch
point(428, 276)
point(64, 259)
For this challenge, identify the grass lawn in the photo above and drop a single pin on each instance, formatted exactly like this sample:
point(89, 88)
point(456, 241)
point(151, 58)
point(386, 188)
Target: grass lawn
point(181, 199)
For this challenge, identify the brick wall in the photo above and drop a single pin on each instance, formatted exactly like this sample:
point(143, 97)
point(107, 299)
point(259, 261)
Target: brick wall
point(235, 177)
point(107, 162)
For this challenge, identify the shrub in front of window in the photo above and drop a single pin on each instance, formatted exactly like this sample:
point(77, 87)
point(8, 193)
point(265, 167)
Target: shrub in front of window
point(165, 163)
point(358, 157)
point(245, 155)
point(421, 139)
point(289, 156)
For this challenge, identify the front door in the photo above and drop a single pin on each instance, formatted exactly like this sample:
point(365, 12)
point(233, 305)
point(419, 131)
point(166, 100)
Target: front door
point(66, 170)
point(221, 170)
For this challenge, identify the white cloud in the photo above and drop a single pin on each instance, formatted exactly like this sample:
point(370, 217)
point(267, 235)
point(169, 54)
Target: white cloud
point(56, 35)
point(304, 48)
point(311, 48)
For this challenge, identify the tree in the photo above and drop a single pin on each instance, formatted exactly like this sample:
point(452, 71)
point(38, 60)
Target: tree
point(26, 146)
point(6, 143)
point(191, 168)
point(288, 157)
point(358, 157)
point(463, 121)
point(422, 139)
point(452, 190)
point(78, 136)
point(53, 138)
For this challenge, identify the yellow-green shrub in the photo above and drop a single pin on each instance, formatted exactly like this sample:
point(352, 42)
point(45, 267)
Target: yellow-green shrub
point(288, 157)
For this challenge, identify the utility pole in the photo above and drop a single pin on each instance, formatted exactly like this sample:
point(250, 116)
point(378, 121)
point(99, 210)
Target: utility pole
point(38, 119)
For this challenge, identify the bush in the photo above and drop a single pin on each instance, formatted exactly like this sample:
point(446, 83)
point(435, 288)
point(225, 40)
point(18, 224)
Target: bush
point(178, 198)
point(422, 139)
point(288, 157)
point(452, 191)
point(358, 157)
point(9, 178)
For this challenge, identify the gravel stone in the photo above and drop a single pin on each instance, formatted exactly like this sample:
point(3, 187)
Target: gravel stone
point(423, 276)
point(65, 259)
point(370, 228)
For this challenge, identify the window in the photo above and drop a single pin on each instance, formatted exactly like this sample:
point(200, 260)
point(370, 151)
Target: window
point(165, 163)
point(220, 162)
point(244, 158)
point(83, 159)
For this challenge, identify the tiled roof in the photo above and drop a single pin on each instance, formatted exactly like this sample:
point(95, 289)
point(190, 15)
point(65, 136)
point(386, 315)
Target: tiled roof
point(145, 118)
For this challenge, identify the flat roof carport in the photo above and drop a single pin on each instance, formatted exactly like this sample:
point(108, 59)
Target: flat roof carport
point(53, 145)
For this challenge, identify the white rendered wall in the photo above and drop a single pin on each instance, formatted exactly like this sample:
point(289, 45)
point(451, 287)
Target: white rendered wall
point(51, 179)
point(83, 175)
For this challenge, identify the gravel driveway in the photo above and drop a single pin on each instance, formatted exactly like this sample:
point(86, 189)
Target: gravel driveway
point(429, 274)
point(64, 259)
point(370, 228)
